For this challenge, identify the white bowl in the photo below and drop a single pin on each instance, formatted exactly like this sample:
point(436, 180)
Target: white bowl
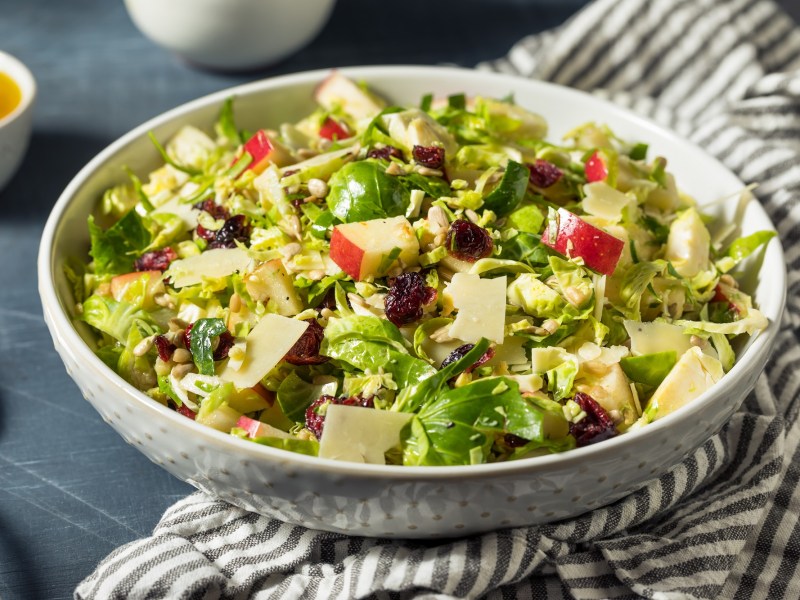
point(15, 127)
point(231, 34)
point(397, 501)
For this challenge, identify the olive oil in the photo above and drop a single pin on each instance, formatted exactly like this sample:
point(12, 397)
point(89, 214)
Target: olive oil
point(10, 95)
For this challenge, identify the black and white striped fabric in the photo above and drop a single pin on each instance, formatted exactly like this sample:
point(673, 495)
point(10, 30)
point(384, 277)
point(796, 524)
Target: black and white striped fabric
point(723, 524)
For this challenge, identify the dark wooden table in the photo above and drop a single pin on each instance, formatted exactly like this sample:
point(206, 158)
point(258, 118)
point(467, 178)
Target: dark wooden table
point(70, 489)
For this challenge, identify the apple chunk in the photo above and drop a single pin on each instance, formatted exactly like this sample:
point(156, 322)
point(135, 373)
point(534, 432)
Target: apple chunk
point(256, 429)
point(270, 281)
point(333, 130)
point(339, 91)
point(574, 237)
point(595, 168)
point(371, 248)
point(264, 150)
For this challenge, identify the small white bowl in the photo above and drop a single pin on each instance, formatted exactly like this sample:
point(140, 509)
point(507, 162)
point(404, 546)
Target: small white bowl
point(230, 34)
point(15, 127)
point(393, 501)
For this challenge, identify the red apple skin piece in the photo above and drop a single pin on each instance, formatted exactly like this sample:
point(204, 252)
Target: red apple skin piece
point(346, 254)
point(263, 152)
point(595, 168)
point(333, 130)
point(599, 250)
point(251, 426)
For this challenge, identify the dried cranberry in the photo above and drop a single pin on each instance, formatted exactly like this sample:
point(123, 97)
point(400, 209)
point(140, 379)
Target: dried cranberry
point(234, 230)
point(315, 421)
point(385, 152)
point(596, 426)
point(155, 260)
point(514, 441)
point(187, 337)
point(468, 241)
point(406, 297)
point(164, 347)
point(212, 208)
point(329, 300)
point(186, 411)
point(224, 345)
point(461, 351)
point(306, 350)
point(544, 173)
point(206, 234)
point(428, 156)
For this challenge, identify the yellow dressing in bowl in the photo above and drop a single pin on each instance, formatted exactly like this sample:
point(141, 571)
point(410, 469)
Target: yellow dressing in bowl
point(10, 95)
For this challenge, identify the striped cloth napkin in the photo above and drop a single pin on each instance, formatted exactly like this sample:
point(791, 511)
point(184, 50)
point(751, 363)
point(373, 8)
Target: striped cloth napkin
point(723, 524)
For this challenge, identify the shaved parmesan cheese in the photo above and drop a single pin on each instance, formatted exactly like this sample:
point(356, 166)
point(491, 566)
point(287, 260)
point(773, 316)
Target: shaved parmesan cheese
point(218, 262)
point(544, 359)
point(511, 352)
point(268, 342)
point(481, 305)
point(358, 434)
point(656, 336)
point(185, 212)
point(604, 201)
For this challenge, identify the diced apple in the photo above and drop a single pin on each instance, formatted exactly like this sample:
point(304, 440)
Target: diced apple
point(415, 127)
point(608, 386)
point(333, 130)
point(339, 91)
point(121, 283)
point(358, 434)
point(270, 281)
point(265, 151)
point(575, 237)
point(365, 249)
point(257, 429)
point(595, 168)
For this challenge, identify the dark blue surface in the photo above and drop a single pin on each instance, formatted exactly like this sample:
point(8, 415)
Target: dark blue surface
point(70, 489)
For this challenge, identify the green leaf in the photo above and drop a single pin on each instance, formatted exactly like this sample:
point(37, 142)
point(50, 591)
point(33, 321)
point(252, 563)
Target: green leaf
point(460, 425)
point(510, 191)
point(525, 247)
point(111, 317)
point(370, 343)
point(425, 389)
point(115, 249)
point(362, 191)
point(528, 219)
point(650, 369)
point(638, 152)
point(308, 447)
point(202, 336)
point(294, 396)
point(226, 125)
point(168, 159)
point(743, 247)
point(634, 284)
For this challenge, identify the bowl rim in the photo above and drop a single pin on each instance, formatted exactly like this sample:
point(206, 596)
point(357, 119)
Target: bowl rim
point(22, 76)
point(62, 328)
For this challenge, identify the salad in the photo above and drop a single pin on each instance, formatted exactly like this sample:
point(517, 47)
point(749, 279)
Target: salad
point(413, 285)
